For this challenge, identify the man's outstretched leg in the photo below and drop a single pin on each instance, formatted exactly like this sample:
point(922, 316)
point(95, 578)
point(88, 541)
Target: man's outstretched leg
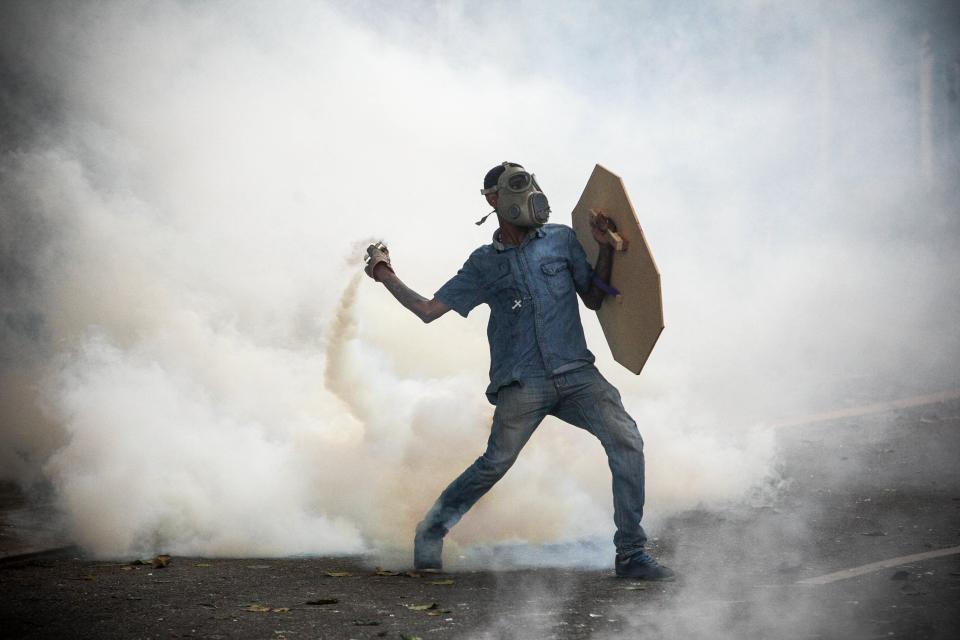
point(520, 409)
point(590, 402)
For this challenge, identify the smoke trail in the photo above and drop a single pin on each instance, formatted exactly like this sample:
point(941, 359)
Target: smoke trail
point(342, 328)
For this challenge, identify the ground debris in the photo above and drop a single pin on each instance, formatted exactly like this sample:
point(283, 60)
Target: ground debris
point(421, 607)
point(912, 589)
point(338, 574)
point(900, 575)
point(255, 607)
point(380, 571)
point(161, 561)
point(366, 623)
point(321, 601)
point(442, 582)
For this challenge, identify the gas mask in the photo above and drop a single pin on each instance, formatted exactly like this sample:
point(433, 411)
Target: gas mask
point(519, 198)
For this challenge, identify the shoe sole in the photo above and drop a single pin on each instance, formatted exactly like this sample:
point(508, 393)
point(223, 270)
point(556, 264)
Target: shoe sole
point(646, 578)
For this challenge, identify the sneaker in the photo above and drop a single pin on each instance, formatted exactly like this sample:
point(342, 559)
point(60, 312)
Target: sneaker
point(642, 566)
point(427, 550)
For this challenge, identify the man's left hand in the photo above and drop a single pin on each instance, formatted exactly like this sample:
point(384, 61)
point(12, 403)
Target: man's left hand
point(599, 225)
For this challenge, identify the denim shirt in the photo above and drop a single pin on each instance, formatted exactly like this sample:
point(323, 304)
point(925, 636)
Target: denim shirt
point(534, 328)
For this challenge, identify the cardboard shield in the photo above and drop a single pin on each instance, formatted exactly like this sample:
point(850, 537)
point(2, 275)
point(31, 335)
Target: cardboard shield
point(633, 320)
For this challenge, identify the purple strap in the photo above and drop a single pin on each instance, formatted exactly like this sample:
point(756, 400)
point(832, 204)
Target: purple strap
point(603, 286)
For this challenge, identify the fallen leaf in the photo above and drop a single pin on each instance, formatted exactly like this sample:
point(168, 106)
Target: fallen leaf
point(385, 572)
point(339, 574)
point(202, 564)
point(161, 561)
point(281, 610)
point(404, 636)
point(438, 612)
point(366, 623)
point(421, 607)
point(441, 582)
point(412, 574)
point(319, 601)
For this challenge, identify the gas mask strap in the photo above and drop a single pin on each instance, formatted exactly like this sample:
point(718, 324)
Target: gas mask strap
point(484, 218)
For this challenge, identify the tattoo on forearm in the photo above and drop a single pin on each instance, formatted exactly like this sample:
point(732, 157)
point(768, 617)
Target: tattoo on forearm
point(594, 296)
point(604, 263)
point(404, 294)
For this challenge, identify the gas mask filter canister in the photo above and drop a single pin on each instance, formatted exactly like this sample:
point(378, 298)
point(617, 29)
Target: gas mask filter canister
point(519, 198)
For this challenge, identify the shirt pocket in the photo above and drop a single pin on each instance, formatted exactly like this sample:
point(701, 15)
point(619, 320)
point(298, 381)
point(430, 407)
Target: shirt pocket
point(503, 295)
point(557, 274)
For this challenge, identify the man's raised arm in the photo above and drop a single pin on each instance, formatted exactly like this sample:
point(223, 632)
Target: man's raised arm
point(600, 283)
point(380, 269)
point(594, 296)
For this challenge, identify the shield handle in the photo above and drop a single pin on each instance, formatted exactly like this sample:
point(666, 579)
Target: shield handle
point(619, 242)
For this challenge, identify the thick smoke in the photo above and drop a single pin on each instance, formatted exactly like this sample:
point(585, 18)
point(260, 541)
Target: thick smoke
point(192, 363)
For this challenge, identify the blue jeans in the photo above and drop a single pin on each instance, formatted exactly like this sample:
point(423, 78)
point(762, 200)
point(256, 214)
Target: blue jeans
point(581, 397)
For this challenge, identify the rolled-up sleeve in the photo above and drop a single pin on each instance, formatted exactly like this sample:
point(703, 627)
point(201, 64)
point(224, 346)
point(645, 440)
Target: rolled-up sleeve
point(463, 291)
point(580, 269)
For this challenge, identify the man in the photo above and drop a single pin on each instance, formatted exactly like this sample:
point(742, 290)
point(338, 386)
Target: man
point(539, 361)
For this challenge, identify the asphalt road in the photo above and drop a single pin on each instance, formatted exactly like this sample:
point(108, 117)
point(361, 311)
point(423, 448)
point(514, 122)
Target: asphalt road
point(852, 492)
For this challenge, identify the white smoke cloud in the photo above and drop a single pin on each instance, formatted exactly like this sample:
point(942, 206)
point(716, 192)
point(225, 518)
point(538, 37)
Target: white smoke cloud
point(216, 378)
